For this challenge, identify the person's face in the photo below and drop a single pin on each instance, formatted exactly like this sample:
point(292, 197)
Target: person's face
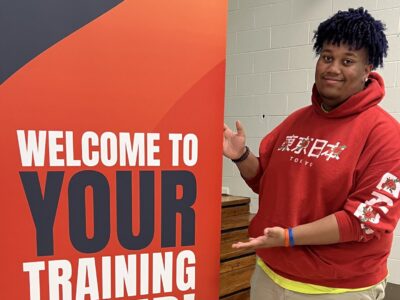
point(340, 73)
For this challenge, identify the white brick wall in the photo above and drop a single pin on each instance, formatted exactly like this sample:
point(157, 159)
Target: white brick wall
point(271, 60)
point(270, 70)
point(298, 35)
point(253, 40)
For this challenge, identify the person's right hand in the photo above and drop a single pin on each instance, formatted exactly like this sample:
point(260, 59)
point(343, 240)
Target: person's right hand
point(273, 237)
point(234, 142)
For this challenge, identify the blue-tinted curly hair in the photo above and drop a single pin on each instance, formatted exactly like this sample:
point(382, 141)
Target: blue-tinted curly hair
point(356, 28)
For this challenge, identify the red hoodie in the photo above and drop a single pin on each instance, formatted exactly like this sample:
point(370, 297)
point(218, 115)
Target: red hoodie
point(345, 162)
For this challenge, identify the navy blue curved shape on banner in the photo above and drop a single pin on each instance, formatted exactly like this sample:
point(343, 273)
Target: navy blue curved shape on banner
point(27, 28)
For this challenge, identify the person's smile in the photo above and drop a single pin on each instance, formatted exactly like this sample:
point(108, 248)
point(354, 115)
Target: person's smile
point(332, 80)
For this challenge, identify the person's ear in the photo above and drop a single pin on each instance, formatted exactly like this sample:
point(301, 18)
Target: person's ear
point(367, 70)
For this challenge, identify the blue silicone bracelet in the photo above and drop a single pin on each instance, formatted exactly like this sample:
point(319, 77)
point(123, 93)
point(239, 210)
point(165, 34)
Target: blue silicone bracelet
point(291, 239)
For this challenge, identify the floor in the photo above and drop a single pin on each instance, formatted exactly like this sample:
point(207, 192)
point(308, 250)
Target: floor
point(392, 292)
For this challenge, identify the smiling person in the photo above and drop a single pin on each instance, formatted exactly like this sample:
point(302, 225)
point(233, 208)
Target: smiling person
point(328, 176)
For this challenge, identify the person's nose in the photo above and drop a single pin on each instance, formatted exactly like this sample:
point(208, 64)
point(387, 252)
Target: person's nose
point(334, 67)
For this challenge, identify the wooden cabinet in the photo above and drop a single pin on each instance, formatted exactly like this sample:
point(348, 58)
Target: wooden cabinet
point(236, 265)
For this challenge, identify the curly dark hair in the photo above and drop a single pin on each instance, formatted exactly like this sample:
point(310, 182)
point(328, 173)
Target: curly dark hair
point(356, 28)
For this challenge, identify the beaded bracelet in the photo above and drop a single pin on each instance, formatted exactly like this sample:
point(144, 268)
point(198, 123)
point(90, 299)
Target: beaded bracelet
point(243, 157)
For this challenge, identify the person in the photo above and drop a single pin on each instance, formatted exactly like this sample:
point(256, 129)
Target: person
point(328, 177)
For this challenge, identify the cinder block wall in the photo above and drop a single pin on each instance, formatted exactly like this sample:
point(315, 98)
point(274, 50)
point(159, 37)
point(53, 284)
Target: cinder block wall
point(270, 70)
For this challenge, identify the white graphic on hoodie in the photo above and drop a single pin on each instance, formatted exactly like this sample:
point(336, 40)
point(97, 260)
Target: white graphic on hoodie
point(380, 203)
point(319, 147)
point(391, 184)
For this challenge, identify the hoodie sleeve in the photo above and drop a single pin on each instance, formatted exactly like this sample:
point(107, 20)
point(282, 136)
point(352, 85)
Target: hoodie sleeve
point(373, 208)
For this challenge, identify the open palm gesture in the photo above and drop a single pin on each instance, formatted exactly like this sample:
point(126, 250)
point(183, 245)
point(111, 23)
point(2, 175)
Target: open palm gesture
point(234, 142)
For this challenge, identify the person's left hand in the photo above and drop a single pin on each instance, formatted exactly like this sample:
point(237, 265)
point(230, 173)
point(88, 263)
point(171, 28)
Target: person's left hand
point(273, 237)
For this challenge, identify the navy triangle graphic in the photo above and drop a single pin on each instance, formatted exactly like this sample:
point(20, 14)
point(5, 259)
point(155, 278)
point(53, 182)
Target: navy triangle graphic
point(27, 28)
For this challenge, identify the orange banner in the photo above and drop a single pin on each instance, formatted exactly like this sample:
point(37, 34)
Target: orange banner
point(111, 149)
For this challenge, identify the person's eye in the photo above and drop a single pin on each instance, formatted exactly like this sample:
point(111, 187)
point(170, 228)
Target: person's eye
point(327, 58)
point(347, 62)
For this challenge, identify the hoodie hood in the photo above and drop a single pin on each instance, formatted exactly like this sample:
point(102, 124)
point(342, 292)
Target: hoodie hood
point(368, 97)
